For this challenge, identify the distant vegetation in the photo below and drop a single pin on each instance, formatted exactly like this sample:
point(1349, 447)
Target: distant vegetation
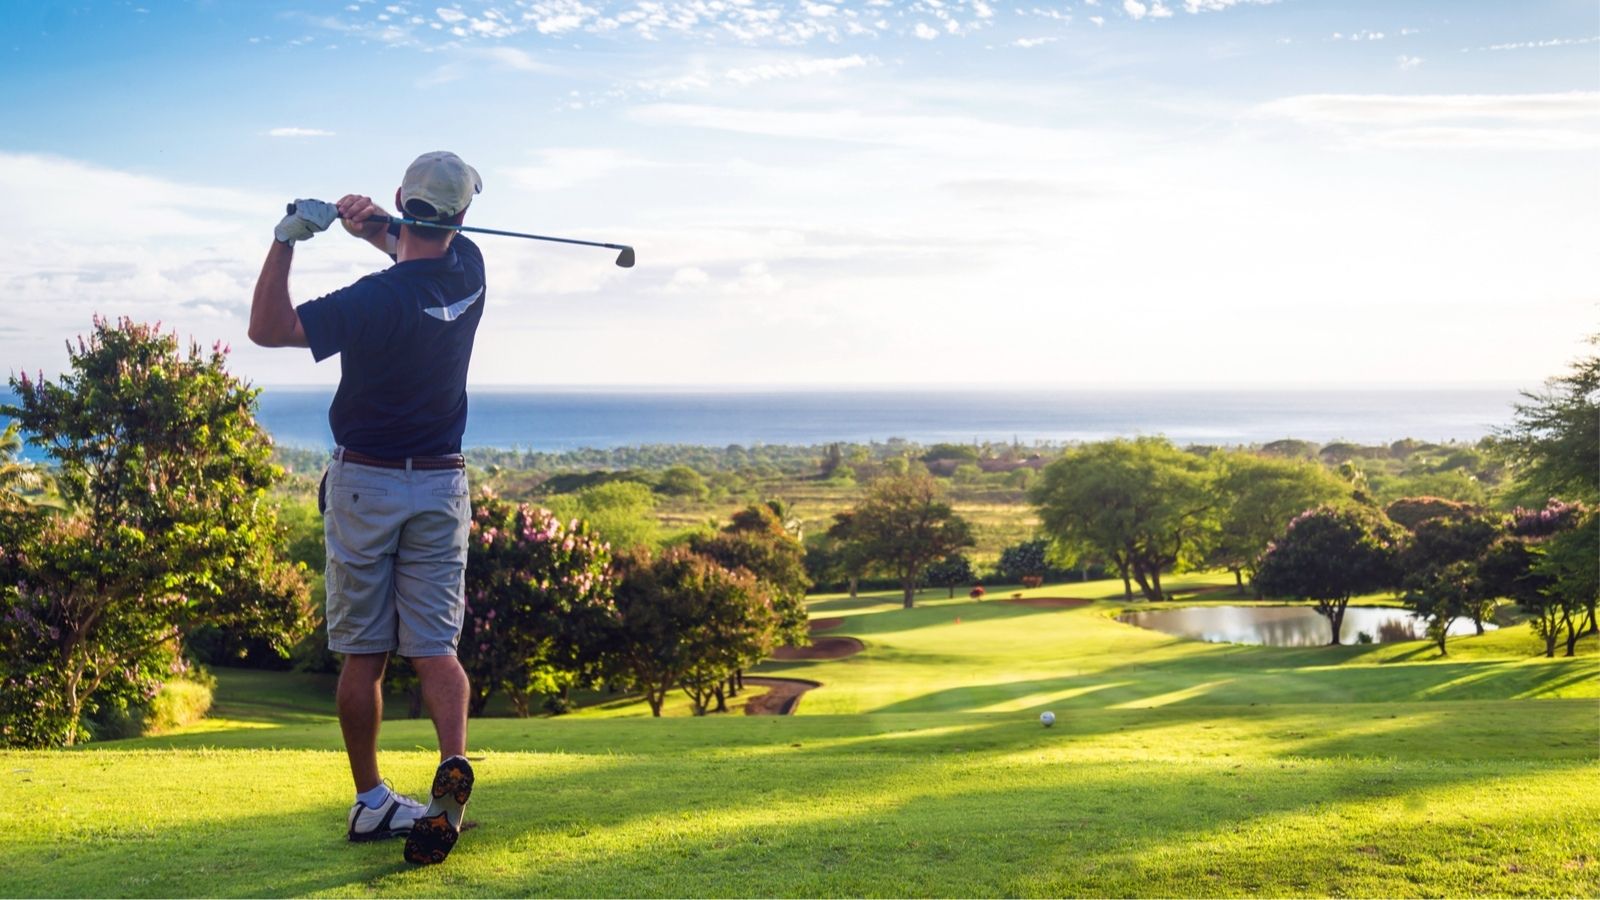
point(147, 546)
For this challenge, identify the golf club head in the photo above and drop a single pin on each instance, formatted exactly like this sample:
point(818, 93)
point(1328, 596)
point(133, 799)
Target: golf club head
point(625, 258)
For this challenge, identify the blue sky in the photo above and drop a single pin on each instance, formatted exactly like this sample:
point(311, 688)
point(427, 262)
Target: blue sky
point(1125, 192)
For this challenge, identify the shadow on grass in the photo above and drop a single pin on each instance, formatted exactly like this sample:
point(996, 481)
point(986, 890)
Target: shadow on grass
point(938, 809)
point(1208, 680)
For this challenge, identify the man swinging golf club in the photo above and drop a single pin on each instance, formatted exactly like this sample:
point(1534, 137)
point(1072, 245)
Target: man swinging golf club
point(394, 498)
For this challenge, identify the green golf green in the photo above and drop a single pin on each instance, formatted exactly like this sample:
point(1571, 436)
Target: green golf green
point(918, 768)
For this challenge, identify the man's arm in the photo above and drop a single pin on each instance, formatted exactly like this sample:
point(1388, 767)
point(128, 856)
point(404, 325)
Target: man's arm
point(356, 212)
point(273, 321)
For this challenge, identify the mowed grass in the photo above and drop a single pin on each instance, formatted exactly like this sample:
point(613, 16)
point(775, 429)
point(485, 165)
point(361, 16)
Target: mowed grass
point(918, 769)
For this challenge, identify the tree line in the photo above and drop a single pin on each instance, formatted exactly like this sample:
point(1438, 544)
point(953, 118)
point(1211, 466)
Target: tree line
point(160, 527)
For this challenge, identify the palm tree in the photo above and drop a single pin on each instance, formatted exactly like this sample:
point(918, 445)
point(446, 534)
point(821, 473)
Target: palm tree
point(17, 478)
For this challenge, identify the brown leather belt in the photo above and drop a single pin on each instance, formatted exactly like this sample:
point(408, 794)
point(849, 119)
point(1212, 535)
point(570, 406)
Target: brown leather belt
point(414, 462)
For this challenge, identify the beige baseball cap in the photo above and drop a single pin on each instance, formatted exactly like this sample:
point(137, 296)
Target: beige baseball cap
point(437, 186)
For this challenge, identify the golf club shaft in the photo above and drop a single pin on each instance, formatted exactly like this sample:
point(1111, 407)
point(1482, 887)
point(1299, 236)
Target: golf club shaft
point(397, 220)
point(400, 220)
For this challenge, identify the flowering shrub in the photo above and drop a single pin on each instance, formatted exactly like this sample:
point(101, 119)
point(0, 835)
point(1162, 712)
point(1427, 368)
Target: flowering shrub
point(538, 601)
point(1557, 515)
point(163, 472)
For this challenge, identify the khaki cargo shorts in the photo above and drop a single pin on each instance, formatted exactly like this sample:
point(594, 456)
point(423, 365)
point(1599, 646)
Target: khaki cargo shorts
point(397, 558)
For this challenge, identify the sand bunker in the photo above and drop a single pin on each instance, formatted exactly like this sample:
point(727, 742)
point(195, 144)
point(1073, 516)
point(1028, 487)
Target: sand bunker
point(782, 697)
point(821, 648)
point(826, 624)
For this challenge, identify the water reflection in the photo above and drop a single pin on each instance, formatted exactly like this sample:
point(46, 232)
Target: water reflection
point(1287, 626)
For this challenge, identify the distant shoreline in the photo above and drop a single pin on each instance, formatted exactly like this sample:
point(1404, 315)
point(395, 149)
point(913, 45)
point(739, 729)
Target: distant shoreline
point(570, 419)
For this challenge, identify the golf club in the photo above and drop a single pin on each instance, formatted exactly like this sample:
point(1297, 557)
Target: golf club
point(624, 258)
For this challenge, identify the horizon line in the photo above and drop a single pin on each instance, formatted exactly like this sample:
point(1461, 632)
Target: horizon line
point(925, 387)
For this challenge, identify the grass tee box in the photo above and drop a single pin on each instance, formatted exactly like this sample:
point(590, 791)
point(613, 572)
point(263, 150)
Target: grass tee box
point(1175, 768)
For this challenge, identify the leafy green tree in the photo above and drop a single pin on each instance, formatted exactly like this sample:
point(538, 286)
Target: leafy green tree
point(967, 473)
point(164, 472)
point(1330, 555)
point(623, 512)
point(951, 571)
point(830, 559)
point(1441, 571)
point(681, 620)
point(682, 481)
point(832, 460)
point(1259, 495)
point(1552, 442)
point(1570, 564)
point(1564, 541)
point(757, 542)
point(1142, 504)
point(903, 526)
point(960, 453)
point(538, 601)
point(1509, 570)
point(1409, 512)
point(1029, 559)
point(1456, 485)
point(1291, 448)
point(1555, 432)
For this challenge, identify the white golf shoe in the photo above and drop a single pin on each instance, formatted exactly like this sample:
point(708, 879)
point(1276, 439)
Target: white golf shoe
point(391, 818)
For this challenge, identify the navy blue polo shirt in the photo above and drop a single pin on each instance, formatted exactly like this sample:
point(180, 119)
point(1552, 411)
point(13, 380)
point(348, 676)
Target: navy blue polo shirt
point(404, 338)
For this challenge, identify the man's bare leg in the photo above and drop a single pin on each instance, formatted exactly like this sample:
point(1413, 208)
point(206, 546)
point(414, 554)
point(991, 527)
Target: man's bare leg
point(360, 700)
point(444, 691)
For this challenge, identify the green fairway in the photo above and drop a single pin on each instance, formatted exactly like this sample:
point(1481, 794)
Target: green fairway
point(918, 768)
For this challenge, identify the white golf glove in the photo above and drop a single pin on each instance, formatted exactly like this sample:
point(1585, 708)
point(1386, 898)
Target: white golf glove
point(308, 218)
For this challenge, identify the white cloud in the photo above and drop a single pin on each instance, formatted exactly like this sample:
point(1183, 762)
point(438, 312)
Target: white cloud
point(949, 136)
point(745, 22)
point(1398, 109)
point(1199, 6)
point(513, 58)
point(1033, 42)
point(1569, 121)
point(298, 132)
point(1098, 20)
point(1407, 63)
point(797, 68)
point(687, 279)
point(1538, 45)
point(564, 167)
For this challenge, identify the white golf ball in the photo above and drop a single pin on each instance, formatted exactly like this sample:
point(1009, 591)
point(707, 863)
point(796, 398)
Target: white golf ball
point(1047, 718)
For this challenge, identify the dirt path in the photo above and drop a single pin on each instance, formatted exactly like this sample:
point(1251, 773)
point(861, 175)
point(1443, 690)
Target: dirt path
point(1048, 602)
point(782, 698)
point(826, 624)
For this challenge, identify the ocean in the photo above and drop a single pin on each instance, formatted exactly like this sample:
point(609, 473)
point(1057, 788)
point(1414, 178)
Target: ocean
point(566, 419)
point(569, 419)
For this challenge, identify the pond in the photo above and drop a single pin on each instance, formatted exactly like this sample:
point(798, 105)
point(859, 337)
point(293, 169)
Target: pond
point(1287, 626)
